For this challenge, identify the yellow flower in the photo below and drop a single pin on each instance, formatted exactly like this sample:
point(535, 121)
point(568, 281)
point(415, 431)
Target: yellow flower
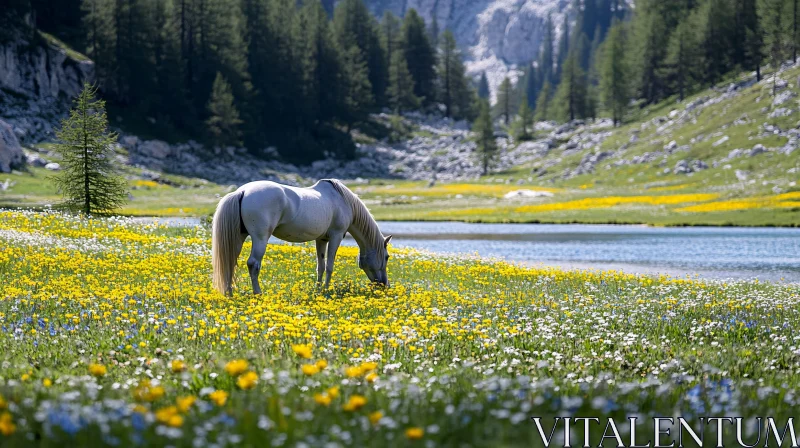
point(7, 427)
point(375, 417)
point(184, 403)
point(97, 370)
point(371, 377)
point(368, 366)
point(236, 367)
point(353, 372)
point(302, 350)
point(333, 391)
point(323, 399)
point(47, 382)
point(25, 377)
point(321, 364)
point(219, 397)
point(178, 366)
point(310, 369)
point(140, 409)
point(355, 403)
point(164, 415)
point(247, 380)
point(415, 433)
point(175, 421)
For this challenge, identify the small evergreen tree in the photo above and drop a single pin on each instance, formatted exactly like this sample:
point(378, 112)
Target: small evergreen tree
point(525, 119)
point(483, 87)
point(571, 93)
point(543, 102)
point(614, 74)
point(420, 56)
point(453, 87)
point(89, 181)
point(223, 121)
point(505, 98)
point(776, 33)
point(401, 85)
point(484, 135)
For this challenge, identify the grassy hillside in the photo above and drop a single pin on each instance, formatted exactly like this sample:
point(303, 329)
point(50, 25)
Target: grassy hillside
point(640, 180)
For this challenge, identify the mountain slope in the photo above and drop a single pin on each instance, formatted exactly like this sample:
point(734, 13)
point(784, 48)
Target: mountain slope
point(499, 36)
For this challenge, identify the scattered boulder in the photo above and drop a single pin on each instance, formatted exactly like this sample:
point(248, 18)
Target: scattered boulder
point(721, 141)
point(757, 149)
point(742, 175)
point(521, 194)
point(53, 166)
point(783, 97)
point(11, 155)
point(781, 112)
point(36, 160)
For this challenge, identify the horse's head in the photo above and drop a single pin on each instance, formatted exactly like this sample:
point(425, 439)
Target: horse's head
point(374, 262)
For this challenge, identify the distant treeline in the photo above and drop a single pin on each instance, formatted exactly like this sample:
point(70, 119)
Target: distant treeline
point(260, 72)
point(264, 72)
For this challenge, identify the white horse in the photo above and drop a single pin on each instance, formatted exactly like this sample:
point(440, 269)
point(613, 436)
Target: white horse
point(323, 212)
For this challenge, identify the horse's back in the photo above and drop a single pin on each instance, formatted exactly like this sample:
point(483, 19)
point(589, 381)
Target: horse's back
point(290, 213)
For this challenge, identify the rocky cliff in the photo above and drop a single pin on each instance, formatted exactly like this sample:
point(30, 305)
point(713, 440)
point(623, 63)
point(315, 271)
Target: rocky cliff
point(498, 36)
point(38, 78)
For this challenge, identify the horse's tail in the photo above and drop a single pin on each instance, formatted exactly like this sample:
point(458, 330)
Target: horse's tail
point(226, 240)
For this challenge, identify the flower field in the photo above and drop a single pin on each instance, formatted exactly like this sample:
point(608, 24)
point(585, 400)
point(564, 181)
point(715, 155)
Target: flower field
point(112, 335)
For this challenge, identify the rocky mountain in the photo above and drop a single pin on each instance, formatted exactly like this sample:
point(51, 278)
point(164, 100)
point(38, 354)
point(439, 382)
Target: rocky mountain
point(498, 36)
point(38, 78)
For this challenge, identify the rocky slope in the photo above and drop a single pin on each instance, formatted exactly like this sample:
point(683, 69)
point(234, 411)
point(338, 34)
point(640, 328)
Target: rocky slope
point(38, 79)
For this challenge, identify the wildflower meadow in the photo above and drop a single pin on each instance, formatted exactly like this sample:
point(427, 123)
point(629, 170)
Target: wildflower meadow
point(112, 335)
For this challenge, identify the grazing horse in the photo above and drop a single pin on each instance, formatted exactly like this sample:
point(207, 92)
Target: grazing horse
point(323, 213)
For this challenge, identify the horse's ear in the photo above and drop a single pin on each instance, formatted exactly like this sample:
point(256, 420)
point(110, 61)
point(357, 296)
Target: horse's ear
point(386, 241)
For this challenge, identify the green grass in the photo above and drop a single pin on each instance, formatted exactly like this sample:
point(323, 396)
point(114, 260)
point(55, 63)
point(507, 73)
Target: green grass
point(182, 197)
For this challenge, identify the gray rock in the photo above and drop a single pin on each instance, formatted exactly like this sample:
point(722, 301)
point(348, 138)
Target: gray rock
point(156, 149)
point(757, 149)
point(11, 155)
point(721, 141)
point(53, 166)
point(781, 112)
point(783, 97)
point(36, 160)
point(742, 175)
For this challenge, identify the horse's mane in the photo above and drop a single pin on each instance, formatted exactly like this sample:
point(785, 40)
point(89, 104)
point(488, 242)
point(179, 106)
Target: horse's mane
point(362, 218)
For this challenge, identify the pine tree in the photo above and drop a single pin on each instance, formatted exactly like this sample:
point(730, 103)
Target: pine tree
point(776, 33)
point(391, 37)
point(614, 74)
point(505, 100)
point(483, 128)
point(571, 92)
point(434, 32)
point(525, 120)
point(716, 42)
point(401, 85)
point(483, 87)
point(753, 39)
point(98, 21)
point(420, 56)
point(354, 25)
point(683, 63)
point(543, 102)
point(453, 86)
point(223, 121)
point(650, 38)
point(357, 90)
point(89, 181)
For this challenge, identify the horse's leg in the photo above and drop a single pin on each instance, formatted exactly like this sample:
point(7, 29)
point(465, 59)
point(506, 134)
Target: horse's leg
point(333, 246)
point(322, 246)
point(256, 255)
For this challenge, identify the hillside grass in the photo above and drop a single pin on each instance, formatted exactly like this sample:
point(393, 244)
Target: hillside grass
point(112, 335)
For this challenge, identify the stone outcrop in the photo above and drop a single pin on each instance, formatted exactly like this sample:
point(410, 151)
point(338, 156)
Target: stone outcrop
point(11, 155)
point(37, 83)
